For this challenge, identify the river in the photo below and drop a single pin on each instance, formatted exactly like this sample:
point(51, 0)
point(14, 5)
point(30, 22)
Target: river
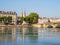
point(29, 36)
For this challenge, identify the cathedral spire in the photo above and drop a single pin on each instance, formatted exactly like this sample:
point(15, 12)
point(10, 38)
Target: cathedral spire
point(23, 13)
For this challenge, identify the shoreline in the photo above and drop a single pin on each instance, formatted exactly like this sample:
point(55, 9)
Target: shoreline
point(29, 25)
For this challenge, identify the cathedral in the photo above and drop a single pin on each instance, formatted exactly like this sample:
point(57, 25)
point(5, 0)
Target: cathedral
point(23, 14)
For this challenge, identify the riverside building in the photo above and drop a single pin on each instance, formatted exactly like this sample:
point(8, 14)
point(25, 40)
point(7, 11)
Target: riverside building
point(46, 20)
point(9, 13)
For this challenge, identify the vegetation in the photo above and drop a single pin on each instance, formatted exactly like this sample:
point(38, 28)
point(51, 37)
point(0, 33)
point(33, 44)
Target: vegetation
point(27, 19)
point(9, 19)
point(5, 19)
point(21, 19)
point(32, 18)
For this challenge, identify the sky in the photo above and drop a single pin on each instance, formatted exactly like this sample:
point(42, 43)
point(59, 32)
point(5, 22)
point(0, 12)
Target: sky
point(45, 8)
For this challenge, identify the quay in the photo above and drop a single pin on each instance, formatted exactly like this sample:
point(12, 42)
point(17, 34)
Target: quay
point(45, 25)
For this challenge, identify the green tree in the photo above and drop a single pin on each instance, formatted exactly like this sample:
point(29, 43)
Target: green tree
point(4, 19)
point(0, 19)
point(9, 19)
point(33, 18)
point(27, 19)
point(21, 19)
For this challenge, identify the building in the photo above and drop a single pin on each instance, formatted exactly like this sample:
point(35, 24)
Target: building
point(42, 20)
point(54, 20)
point(9, 13)
point(23, 14)
point(46, 20)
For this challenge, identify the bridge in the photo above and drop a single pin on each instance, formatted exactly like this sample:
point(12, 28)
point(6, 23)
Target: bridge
point(51, 25)
point(48, 25)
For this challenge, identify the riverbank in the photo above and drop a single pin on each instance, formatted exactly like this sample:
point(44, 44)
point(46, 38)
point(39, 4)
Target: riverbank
point(32, 25)
point(15, 25)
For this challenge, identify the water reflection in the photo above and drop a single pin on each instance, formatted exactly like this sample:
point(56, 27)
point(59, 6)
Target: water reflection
point(26, 36)
point(7, 34)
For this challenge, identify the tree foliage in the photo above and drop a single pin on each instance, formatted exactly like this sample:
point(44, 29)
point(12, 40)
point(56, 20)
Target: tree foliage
point(5, 19)
point(33, 18)
point(9, 19)
point(21, 19)
point(27, 19)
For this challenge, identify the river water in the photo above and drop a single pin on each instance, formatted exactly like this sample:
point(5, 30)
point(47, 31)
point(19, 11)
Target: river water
point(29, 36)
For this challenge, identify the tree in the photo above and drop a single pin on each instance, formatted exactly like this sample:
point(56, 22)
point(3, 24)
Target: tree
point(27, 19)
point(33, 18)
point(0, 19)
point(4, 19)
point(21, 19)
point(9, 19)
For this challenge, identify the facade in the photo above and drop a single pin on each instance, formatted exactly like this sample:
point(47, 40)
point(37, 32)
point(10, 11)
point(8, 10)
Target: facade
point(9, 13)
point(54, 20)
point(42, 20)
point(45, 20)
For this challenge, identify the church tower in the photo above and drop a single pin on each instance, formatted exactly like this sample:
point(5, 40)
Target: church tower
point(23, 13)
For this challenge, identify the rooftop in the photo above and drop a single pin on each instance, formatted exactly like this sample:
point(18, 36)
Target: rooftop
point(8, 12)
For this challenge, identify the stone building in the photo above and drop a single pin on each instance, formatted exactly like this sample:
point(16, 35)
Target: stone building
point(23, 14)
point(46, 20)
point(42, 20)
point(56, 20)
point(9, 13)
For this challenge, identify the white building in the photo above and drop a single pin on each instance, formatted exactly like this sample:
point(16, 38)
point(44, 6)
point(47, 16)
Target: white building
point(42, 20)
point(9, 13)
point(45, 20)
point(54, 20)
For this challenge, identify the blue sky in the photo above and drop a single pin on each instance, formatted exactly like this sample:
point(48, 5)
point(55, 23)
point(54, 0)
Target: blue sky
point(45, 8)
